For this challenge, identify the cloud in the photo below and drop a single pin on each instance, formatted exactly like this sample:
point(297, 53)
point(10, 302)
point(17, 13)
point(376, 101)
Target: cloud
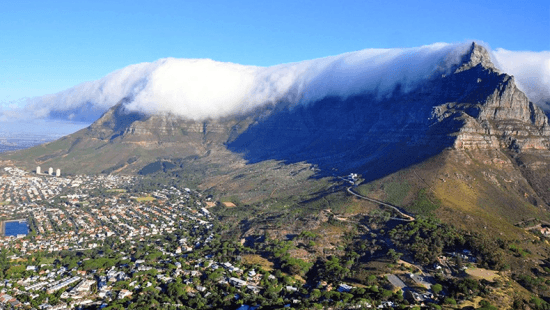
point(203, 88)
point(200, 89)
point(531, 71)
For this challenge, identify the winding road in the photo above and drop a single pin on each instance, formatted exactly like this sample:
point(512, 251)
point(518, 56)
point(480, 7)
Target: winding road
point(407, 218)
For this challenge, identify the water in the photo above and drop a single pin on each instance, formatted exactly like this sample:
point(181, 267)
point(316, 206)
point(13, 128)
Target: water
point(16, 228)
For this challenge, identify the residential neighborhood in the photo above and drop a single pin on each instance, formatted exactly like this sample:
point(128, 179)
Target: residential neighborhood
point(104, 242)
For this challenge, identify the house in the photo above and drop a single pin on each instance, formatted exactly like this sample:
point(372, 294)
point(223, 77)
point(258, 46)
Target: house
point(291, 288)
point(254, 289)
point(201, 288)
point(344, 288)
point(228, 204)
point(386, 304)
point(237, 282)
point(32, 268)
point(124, 293)
point(252, 273)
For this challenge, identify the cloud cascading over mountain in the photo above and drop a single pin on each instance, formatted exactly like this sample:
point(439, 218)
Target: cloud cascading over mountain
point(203, 88)
point(532, 72)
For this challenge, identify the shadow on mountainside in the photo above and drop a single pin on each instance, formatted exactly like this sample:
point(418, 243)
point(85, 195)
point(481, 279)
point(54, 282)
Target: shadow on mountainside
point(369, 134)
point(359, 134)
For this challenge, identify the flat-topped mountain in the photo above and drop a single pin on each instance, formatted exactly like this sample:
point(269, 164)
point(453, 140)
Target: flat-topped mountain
point(471, 109)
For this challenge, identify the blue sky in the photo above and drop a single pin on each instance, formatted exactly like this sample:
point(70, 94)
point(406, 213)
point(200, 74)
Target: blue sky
point(49, 46)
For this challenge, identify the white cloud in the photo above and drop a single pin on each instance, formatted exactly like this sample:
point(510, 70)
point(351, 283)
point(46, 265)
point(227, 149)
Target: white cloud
point(203, 88)
point(531, 70)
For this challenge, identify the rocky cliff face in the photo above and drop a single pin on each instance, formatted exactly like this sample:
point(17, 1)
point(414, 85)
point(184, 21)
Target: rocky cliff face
point(120, 126)
point(495, 113)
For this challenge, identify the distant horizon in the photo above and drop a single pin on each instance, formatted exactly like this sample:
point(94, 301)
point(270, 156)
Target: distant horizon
point(37, 128)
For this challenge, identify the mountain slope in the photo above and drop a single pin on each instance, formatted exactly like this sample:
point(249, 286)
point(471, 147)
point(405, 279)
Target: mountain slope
point(476, 107)
point(473, 112)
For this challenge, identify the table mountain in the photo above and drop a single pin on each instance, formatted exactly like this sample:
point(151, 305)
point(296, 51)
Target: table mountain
point(472, 113)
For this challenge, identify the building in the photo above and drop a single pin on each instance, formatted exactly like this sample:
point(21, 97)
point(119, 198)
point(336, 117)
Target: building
point(50, 171)
point(124, 293)
point(344, 288)
point(38, 170)
point(58, 172)
point(237, 282)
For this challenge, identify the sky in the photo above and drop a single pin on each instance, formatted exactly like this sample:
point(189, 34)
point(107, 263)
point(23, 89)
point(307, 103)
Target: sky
point(49, 46)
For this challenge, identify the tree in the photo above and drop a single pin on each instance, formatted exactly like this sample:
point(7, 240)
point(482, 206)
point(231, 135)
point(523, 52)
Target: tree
point(316, 293)
point(449, 301)
point(437, 288)
point(485, 305)
point(395, 256)
point(4, 262)
point(371, 279)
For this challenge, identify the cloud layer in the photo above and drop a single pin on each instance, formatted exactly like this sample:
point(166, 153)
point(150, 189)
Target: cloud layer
point(531, 70)
point(203, 88)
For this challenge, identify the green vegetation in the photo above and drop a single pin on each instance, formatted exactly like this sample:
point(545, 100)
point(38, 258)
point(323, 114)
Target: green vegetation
point(396, 192)
point(116, 190)
point(146, 198)
point(428, 238)
point(424, 204)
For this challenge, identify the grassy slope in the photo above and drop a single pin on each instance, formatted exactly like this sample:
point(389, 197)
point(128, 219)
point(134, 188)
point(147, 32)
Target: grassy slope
point(79, 154)
point(479, 191)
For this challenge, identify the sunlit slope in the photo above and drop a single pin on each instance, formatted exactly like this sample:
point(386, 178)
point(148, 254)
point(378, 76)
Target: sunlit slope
point(477, 190)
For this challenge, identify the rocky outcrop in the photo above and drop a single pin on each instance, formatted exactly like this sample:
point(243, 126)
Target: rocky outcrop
point(118, 125)
point(476, 56)
point(495, 113)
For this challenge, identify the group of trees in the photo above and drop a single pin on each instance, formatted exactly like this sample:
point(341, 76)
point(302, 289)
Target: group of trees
point(428, 238)
point(280, 251)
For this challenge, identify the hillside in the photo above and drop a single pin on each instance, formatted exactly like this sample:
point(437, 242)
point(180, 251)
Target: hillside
point(464, 157)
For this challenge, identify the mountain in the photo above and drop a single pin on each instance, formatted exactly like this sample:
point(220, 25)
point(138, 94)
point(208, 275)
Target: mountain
point(471, 138)
point(472, 115)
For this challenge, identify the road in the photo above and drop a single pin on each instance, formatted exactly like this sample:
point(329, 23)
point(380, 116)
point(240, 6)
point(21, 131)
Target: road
point(407, 218)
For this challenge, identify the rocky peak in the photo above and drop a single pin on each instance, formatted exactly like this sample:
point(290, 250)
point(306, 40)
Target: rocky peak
point(475, 56)
point(494, 113)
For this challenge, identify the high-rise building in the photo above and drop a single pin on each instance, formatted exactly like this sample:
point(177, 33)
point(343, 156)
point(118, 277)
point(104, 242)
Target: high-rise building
point(50, 171)
point(58, 172)
point(38, 170)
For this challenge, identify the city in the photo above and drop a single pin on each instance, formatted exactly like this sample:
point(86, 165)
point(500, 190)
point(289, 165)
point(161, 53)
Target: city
point(150, 241)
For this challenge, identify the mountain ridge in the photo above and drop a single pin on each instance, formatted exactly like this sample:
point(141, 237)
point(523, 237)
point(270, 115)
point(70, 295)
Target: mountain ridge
point(473, 108)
